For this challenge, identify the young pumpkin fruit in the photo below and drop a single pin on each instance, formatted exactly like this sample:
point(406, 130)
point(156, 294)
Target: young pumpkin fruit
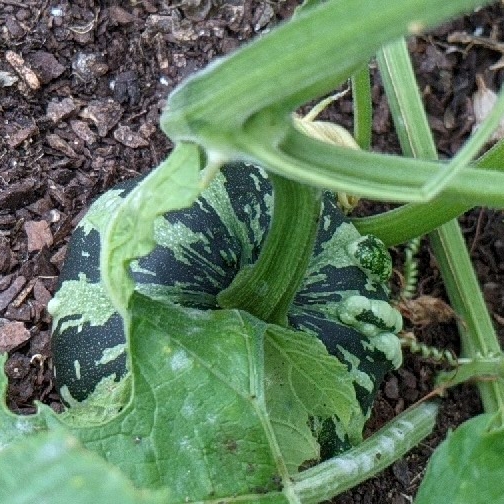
point(200, 250)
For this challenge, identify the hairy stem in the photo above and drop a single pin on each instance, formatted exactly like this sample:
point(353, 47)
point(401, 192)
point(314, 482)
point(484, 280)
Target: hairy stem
point(338, 474)
point(476, 330)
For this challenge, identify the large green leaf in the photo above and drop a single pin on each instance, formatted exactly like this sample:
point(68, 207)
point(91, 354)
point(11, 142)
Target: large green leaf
point(468, 465)
point(198, 395)
point(53, 467)
point(221, 407)
point(196, 422)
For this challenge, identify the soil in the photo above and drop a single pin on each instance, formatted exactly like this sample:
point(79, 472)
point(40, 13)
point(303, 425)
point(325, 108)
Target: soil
point(82, 85)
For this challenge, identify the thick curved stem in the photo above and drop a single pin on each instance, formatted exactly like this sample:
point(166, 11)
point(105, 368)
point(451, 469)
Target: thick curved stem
point(267, 288)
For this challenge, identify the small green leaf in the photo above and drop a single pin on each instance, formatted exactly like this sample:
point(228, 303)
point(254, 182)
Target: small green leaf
point(53, 467)
point(174, 184)
point(468, 466)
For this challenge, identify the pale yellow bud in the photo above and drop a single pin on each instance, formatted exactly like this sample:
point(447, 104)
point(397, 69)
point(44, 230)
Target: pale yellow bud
point(483, 102)
point(333, 134)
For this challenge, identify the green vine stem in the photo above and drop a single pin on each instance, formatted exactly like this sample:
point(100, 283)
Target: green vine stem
point(486, 369)
point(362, 107)
point(476, 329)
point(404, 223)
point(383, 448)
point(266, 289)
point(247, 118)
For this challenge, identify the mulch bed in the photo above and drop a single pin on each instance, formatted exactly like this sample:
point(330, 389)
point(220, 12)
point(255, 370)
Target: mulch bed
point(82, 85)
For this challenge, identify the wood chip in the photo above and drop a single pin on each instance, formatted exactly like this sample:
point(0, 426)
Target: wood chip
point(58, 257)
point(6, 280)
point(17, 194)
point(39, 235)
point(9, 294)
point(83, 131)
point(20, 298)
point(23, 313)
point(41, 206)
point(89, 66)
point(56, 142)
point(5, 255)
point(41, 294)
point(105, 115)
point(58, 110)
point(27, 74)
point(120, 16)
point(45, 65)
point(15, 28)
point(12, 334)
point(147, 130)
point(127, 137)
point(22, 134)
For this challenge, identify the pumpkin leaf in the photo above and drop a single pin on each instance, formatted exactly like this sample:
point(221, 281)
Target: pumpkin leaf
point(208, 391)
point(304, 382)
point(197, 399)
point(469, 463)
point(57, 466)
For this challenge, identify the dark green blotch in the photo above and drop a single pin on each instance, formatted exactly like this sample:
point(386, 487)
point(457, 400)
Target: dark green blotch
point(368, 317)
point(330, 443)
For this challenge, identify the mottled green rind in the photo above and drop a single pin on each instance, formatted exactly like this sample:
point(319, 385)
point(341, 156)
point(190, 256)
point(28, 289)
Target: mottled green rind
point(370, 317)
point(83, 298)
point(90, 301)
point(372, 257)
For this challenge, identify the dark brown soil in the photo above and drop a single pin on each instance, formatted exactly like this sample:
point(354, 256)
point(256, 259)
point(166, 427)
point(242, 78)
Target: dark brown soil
point(82, 84)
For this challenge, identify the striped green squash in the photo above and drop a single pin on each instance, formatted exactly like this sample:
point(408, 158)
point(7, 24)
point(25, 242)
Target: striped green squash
point(342, 300)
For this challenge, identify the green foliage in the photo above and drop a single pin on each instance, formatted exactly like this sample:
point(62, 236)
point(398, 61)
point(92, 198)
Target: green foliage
point(468, 465)
point(222, 405)
point(54, 467)
point(304, 382)
point(235, 410)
